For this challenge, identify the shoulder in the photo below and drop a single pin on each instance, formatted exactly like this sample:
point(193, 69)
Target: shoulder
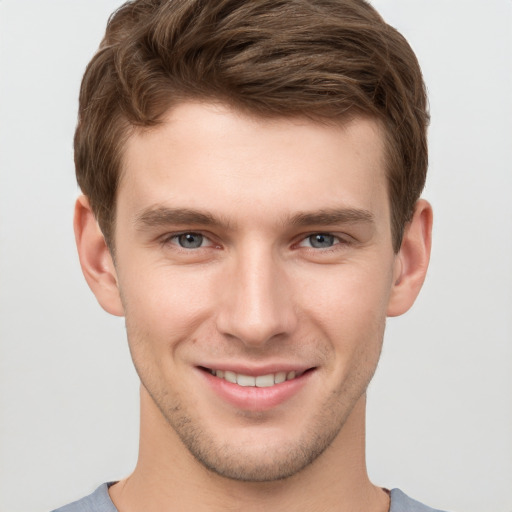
point(98, 501)
point(400, 502)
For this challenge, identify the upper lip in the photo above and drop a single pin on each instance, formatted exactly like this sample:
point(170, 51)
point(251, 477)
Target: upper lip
point(256, 370)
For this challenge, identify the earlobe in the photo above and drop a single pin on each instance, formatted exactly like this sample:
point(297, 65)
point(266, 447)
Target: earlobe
point(412, 260)
point(95, 258)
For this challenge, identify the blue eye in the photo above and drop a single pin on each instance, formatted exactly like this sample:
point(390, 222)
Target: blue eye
point(190, 240)
point(321, 240)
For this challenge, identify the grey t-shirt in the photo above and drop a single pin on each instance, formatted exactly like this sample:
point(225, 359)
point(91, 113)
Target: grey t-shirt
point(99, 501)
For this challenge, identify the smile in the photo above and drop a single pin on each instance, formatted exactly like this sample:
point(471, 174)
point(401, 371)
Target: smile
point(255, 389)
point(259, 381)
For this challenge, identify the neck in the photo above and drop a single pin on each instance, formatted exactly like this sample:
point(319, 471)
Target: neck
point(168, 477)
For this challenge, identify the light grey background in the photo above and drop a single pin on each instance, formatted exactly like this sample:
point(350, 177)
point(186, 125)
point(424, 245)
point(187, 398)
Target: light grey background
point(440, 407)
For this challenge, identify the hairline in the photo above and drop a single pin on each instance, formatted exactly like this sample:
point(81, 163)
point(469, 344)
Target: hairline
point(238, 107)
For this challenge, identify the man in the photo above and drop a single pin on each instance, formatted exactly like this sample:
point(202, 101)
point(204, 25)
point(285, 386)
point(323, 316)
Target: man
point(251, 174)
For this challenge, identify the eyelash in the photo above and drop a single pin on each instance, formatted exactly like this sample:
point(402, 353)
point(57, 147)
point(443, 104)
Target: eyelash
point(168, 240)
point(337, 242)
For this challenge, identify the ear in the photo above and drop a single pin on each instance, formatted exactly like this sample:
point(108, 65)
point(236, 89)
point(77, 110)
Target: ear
point(411, 262)
point(95, 259)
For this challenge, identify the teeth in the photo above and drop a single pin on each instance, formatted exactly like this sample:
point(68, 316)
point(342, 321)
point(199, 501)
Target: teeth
point(280, 377)
point(230, 376)
point(245, 380)
point(261, 381)
point(265, 381)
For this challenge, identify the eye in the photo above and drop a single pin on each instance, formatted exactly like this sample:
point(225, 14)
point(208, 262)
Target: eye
point(320, 241)
point(190, 240)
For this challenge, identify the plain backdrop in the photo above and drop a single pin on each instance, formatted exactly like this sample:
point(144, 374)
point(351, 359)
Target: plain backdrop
point(440, 406)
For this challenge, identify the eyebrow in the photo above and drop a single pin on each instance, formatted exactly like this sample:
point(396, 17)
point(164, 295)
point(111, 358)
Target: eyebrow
point(333, 216)
point(165, 216)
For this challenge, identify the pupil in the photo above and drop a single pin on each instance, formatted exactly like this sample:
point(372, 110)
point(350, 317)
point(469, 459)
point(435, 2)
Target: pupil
point(320, 241)
point(191, 240)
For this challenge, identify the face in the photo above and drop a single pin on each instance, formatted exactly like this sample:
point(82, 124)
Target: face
point(255, 266)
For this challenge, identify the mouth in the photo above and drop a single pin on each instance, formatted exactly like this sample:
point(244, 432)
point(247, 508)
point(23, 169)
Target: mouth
point(259, 381)
point(256, 389)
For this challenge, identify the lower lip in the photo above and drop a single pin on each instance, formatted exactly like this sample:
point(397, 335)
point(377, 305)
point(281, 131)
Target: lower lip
point(251, 398)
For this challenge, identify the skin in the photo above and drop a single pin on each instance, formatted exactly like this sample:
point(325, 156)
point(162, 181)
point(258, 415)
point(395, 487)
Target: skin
point(258, 292)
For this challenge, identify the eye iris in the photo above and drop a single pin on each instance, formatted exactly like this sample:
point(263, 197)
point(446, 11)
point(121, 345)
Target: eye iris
point(190, 240)
point(320, 241)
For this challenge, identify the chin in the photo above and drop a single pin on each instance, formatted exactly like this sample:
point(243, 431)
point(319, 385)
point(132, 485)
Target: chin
point(257, 453)
point(266, 466)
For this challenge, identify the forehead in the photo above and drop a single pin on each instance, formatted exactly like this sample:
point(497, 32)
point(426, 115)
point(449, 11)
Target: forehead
point(211, 156)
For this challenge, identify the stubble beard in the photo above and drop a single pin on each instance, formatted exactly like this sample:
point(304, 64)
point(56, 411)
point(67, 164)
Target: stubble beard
point(253, 462)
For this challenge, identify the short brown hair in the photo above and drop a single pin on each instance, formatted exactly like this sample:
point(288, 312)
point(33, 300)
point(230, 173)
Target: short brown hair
point(324, 59)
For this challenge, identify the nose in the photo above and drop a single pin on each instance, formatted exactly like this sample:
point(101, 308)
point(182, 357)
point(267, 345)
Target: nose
point(256, 302)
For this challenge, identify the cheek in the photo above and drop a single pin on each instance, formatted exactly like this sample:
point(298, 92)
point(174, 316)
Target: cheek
point(349, 306)
point(358, 289)
point(164, 306)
